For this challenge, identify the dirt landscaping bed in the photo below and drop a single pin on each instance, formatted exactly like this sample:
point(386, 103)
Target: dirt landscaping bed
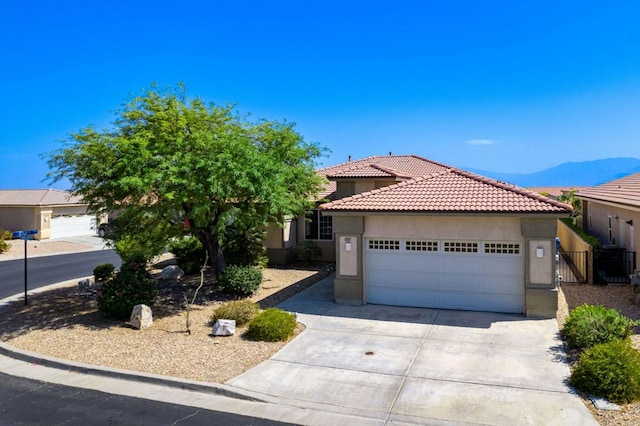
point(621, 298)
point(65, 323)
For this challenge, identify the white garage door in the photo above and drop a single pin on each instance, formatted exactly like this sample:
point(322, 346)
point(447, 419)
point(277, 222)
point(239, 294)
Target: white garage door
point(468, 275)
point(72, 226)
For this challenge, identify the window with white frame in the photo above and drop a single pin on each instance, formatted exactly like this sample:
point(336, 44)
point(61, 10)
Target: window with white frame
point(318, 226)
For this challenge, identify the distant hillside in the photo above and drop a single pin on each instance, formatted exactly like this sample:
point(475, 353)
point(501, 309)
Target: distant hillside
point(585, 173)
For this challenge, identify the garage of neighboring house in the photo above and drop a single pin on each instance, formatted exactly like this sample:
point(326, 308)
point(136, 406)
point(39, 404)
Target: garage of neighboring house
point(53, 213)
point(72, 225)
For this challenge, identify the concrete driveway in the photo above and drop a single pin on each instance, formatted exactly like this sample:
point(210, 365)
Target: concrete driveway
point(396, 365)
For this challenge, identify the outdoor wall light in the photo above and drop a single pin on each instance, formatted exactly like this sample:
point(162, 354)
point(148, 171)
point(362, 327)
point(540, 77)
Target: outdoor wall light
point(539, 252)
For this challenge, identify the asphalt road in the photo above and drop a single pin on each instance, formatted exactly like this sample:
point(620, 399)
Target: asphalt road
point(47, 270)
point(30, 402)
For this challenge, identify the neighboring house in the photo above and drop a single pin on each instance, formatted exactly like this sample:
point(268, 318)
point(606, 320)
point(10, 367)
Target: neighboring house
point(610, 211)
point(554, 192)
point(54, 213)
point(408, 231)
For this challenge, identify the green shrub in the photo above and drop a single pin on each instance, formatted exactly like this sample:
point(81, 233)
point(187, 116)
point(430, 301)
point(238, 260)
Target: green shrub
point(243, 245)
point(240, 280)
point(272, 325)
point(4, 244)
point(307, 251)
point(588, 325)
point(130, 287)
point(189, 253)
point(104, 271)
point(609, 370)
point(241, 311)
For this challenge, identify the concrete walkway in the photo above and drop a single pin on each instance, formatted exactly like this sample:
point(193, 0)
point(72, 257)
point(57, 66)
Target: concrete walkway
point(370, 365)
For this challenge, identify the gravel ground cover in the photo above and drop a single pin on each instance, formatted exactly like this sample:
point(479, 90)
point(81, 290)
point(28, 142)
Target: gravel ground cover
point(65, 323)
point(622, 298)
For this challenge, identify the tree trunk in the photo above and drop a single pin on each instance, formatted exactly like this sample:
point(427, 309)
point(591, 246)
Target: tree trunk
point(212, 246)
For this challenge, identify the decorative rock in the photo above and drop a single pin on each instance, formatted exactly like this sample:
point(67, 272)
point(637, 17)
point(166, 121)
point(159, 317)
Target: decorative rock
point(224, 327)
point(172, 272)
point(603, 404)
point(141, 317)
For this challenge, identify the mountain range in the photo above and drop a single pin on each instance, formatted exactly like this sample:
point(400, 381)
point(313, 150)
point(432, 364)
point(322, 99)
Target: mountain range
point(584, 173)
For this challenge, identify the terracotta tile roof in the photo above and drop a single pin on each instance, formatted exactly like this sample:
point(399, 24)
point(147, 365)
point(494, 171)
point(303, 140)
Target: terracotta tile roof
point(37, 197)
point(400, 166)
point(625, 191)
point(449, 190)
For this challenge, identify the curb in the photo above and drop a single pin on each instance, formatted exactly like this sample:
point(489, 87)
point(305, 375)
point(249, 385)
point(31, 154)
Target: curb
point(99, 371)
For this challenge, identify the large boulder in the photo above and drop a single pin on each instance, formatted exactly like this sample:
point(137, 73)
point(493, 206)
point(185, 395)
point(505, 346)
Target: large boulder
point(224, 327)
point(172, 273)
point(141, 317)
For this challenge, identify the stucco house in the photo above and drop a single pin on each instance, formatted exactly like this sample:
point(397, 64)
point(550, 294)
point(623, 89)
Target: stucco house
point(408, 231)
point(54, 213)
point(610, 211)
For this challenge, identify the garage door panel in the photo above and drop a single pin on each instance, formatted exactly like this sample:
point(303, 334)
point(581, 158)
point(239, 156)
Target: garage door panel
point(468, 281)
point(71, 226)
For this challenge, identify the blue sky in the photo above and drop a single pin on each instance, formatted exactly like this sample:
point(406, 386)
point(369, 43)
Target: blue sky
point(502, 86)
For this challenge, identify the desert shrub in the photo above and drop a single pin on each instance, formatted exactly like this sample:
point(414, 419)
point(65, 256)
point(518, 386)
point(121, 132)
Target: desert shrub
point(132, 249)
point(130, 287)
point(241, 311)
point(4, 244)
point(609, 370)
point(104, 271)
point(190, 254)
point(243, 245)
point(240, 280)
point(588, 325)
point(272, 325)
point(307, 251)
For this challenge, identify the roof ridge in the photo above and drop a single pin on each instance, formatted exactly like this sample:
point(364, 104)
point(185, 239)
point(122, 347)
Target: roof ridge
point(391, 170)
point(385, 188)
point(511, 187)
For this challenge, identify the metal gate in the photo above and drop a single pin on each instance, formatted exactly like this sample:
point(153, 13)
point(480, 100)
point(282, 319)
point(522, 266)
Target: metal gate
point(614, 265)
point(573, 266)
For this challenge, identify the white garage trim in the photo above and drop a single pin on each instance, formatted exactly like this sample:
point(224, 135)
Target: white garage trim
point(72, 226)
point(448, 274)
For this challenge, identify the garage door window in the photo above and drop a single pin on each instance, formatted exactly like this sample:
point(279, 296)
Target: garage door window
point(502, 248)
point(421, 246)
point(384, 244)
point(460, 247)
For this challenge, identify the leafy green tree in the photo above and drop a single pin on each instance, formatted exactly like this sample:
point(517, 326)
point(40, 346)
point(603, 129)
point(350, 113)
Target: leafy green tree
point(171, 161)
point(575, 203)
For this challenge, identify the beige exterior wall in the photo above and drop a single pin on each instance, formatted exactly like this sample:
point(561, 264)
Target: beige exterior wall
point(570, 241)
point(623, 234)
point(541, 296)
point(18, 218)
point(444, 227)
point(38, 217)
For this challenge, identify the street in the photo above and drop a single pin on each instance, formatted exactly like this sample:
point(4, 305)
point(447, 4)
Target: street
point(47, 270)
point(30, 402)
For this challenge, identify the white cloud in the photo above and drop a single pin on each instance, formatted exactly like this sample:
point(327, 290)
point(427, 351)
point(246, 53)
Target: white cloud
point(481, 142)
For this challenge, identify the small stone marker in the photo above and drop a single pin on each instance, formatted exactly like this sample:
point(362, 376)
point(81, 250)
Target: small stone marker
point(603, 404)
point(224, 327)
point(172, 272)
point(141, 317)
